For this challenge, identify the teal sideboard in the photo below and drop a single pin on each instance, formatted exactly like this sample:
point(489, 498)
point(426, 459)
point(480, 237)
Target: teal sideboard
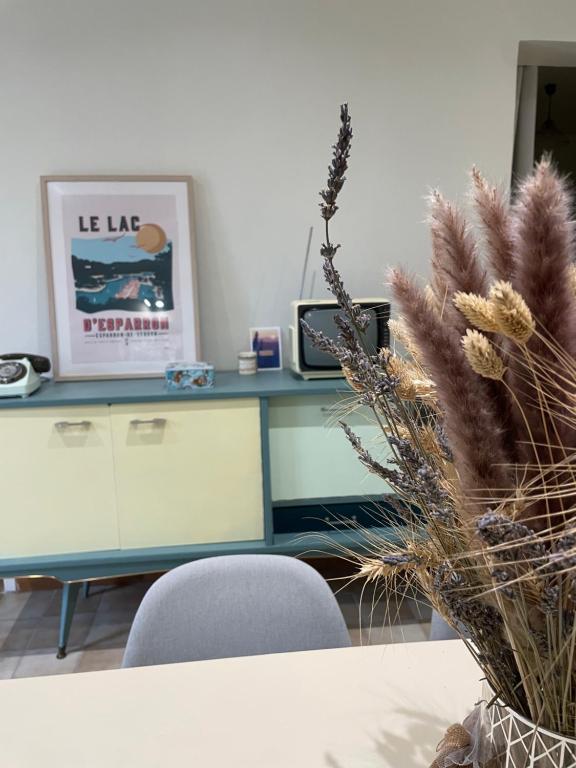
point(111, 478)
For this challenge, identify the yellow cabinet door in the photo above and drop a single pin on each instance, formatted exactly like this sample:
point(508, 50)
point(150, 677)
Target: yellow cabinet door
point(188, 473)
point(58, 481)
point(310, 456)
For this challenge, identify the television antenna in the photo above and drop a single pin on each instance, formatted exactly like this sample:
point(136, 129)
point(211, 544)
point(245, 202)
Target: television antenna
point(306, 259)
point(312, 284)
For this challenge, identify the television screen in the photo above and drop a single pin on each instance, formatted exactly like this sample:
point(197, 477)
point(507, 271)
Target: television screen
point(322, 319)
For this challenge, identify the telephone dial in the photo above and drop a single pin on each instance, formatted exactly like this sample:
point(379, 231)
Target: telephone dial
point(19, 373)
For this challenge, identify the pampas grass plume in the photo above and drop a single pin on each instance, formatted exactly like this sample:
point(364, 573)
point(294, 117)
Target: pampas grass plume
point(493, 211)
point(473, 419)
point(435, 304)
point(455, 263)
point(544, 245)
point(572, 278)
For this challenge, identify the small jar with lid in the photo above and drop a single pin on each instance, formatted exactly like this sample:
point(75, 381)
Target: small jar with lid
point(247, 363)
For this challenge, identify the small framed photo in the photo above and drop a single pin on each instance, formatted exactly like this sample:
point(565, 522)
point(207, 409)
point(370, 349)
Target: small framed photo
point(122, 274)
point(267, 343)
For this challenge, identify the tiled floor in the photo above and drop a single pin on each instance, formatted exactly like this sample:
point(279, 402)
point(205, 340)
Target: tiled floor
point(29, 625)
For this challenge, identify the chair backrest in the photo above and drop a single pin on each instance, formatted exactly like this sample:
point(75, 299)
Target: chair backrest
point(237, 605)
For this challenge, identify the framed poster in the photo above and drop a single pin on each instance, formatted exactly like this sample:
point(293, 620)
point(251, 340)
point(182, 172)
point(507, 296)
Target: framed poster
point(122, 274)
point(267, 343)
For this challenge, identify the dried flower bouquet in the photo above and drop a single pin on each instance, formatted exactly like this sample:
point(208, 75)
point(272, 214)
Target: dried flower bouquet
point(480, 414)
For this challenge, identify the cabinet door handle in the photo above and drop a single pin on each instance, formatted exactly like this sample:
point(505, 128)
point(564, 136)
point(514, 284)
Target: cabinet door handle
point(157, 422)
point(61, 425)
point(327, 409)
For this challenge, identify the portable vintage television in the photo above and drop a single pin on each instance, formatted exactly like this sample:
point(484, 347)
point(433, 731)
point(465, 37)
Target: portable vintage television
point(311, 363)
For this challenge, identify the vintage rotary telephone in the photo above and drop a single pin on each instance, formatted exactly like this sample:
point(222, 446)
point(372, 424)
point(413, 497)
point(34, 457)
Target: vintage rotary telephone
point(19, 373)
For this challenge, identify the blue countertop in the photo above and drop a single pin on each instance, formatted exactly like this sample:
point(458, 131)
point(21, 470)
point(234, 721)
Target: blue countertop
point(228, 384)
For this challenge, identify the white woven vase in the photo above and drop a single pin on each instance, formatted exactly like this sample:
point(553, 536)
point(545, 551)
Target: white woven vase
point(519, 743)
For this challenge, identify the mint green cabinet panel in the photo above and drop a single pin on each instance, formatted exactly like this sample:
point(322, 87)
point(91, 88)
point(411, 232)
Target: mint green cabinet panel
point(309, 454)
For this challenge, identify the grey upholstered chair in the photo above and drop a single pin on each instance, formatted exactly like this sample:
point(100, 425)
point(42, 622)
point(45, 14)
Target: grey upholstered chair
point(440, 629)
point(238, 605)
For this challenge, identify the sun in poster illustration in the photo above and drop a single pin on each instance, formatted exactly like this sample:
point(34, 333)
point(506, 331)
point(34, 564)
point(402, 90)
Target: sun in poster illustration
point(132, 272)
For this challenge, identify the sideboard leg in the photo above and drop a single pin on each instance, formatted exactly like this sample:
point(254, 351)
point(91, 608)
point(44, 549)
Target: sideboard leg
point(69, 594)
point(86, 589)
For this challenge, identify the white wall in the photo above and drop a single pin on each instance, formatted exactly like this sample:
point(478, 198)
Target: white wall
point(243, 95)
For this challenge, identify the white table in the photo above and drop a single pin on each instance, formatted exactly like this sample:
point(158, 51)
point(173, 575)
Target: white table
point(372, 707)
